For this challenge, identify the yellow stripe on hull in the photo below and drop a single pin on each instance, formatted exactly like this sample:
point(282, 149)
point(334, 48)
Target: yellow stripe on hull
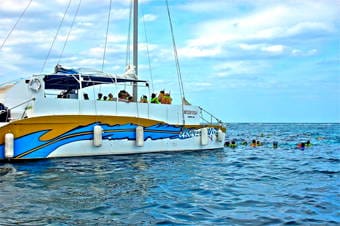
point(60, 124)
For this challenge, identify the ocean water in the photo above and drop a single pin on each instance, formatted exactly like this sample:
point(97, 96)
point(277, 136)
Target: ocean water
point(240, 186)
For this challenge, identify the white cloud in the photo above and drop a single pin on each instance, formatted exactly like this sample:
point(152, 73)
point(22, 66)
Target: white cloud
point(17, 6)
point(202, 84)
point(276, 49)
point(309, 26)
point(26, 37)
point(148, 46)
point(199, 86)
point(299, 52)
point(197, 51)
point(239, 67)
point(276, 20)
point(119, 14)
point(149, 17)
point(245, 46)
point(116, 38)
point(312, 52)
point(206, 6)
point(10, 55)
point(99, 51)
point(89, 62)
point(273, 49)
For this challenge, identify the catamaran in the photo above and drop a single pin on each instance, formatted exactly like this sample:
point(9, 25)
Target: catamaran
point(51, 115)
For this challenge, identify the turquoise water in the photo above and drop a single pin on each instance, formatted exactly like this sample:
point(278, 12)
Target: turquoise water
point(241, 186)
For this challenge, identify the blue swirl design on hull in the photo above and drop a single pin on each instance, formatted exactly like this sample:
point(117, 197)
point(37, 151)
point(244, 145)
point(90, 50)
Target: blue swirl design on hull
point(31, 146)
point(2, 151)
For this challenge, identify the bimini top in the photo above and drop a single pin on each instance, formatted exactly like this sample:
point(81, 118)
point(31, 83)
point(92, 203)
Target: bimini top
point(65, 79)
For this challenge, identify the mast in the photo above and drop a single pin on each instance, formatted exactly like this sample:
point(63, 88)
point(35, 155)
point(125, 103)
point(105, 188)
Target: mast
point(135, 46)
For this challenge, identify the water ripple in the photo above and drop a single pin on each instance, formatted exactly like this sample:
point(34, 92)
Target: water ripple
point(241, 186)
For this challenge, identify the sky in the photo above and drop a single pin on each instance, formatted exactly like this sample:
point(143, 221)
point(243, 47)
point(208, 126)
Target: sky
point(241, 60)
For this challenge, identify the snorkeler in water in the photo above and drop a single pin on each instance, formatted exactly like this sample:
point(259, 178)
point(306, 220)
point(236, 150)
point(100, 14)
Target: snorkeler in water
point(233, 144)
point(253, 143)
point(275, 144)
point(226, 144)
point(308, 143)
point(301, 146)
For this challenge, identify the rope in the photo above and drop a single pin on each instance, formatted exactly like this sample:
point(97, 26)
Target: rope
point(16, 23)
point(148, 53)
point(107, 32)
point(127, 59)
point(69, 32)
point(175, 54)
point(56, 35)
point(128, 41)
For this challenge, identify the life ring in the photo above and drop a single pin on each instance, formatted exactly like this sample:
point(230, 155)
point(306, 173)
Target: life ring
point(35, 84)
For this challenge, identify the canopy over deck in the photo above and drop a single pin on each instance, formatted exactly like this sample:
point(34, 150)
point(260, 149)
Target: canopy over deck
point(71, 79)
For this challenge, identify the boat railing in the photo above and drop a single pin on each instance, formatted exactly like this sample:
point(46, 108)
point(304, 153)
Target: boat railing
point(168, 113)
point(209, 118)
point(21, 115)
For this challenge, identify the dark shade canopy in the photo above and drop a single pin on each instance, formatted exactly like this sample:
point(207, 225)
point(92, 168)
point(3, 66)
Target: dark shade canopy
point(71, 81)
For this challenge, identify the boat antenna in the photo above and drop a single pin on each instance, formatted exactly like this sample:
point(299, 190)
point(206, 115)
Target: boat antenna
point(107, 33)
point(135, 47)
point(56, 35)
point(69, 32)
point(16, 23)
point(176, 55)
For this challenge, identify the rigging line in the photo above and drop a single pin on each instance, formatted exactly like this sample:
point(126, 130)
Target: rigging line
point(16, 23)
point(128, 42)
point(69, 32)
point(175, 54)
point(56, 35)
point(148, 52)
point(94, 98)
point(107, 32)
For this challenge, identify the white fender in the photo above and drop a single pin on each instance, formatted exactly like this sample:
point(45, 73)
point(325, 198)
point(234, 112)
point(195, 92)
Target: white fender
point(220, 135)
point(204, 136)
point(139, 136)
point(9, 145)
point(97, 136)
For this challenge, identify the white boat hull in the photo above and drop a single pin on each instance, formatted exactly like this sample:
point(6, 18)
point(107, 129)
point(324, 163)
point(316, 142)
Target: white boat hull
point(122, 147)
point(75, 135)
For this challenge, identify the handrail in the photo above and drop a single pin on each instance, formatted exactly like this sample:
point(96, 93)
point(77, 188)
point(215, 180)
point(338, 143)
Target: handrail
point(25, 102)
point(211, 116)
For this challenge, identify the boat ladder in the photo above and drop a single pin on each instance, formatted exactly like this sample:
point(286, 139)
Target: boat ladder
point(208, 118)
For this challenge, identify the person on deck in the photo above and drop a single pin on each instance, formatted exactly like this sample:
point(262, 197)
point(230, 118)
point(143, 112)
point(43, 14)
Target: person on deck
point(123, 96)
point(166, 99)
point(110, 97)
point(130, 99)
point(2, 107)
point(154, 99)
point(143, 99)
point(160, 96)
point(86, 96)
point(100, 96)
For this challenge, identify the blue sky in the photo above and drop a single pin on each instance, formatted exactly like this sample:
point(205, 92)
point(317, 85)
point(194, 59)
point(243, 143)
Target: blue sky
point(244, 60)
